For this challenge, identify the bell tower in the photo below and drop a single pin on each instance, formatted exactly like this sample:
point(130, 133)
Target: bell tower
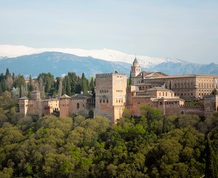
point(135, 70)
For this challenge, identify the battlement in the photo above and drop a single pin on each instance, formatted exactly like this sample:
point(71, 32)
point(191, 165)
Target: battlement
point(108, 75)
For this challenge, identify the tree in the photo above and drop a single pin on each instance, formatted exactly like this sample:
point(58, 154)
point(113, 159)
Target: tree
point(91, 85)
point(19, 82)
point(7, 73)
point(212, 154)
point(60, 87)
point(214, 92)
point(30, 84)
point(48, 82)
point(84, 84)
point(9, 82)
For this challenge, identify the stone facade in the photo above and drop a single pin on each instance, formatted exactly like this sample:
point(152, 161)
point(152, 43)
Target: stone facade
point(110, 95)
point(168, 93)
point(189, 87)
point(77, 104)
point(159, 97)
point(64, 103)
point(82, 104)
point(35, 106)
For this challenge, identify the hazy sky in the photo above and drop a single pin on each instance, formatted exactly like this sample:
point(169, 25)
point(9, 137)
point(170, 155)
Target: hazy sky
point(186, 29)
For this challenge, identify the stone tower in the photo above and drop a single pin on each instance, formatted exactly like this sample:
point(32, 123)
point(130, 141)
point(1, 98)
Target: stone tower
point(135, 70)
point(110, 95)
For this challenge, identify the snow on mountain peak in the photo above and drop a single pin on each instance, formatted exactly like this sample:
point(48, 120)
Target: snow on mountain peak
point(105, 54)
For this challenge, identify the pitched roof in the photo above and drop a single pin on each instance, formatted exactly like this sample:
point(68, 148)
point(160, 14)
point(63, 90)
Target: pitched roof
point(158, 89)
point(151, 74)
point(135, 62)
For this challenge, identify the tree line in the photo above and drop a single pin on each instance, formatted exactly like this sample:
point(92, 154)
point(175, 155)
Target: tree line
point(48, 86)
point(149, 146)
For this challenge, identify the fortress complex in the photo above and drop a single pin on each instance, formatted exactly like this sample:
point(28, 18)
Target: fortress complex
point(188, 87)
point(112, 95)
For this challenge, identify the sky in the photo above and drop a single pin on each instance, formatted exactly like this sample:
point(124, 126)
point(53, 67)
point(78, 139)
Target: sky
point(186, 29)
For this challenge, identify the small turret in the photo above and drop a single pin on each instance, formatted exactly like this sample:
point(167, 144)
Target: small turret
point(135, 70)
point(136, 63)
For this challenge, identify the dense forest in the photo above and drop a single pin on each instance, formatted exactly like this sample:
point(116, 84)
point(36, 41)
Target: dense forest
point(150, 146)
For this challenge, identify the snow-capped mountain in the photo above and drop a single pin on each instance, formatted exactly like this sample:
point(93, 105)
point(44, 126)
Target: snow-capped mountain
point(28, 61)
point(59, 64)
point(104, 54)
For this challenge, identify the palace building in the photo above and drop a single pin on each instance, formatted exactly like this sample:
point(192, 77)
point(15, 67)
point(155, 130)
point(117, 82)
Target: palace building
point(112, 96)
point(188, 87)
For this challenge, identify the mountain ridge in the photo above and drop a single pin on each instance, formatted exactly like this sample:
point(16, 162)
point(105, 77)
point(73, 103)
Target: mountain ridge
point(104, 54)
point(106, 61)
point(59, 64)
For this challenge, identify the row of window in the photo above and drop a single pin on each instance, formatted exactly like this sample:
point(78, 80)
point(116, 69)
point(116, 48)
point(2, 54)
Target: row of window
point(119, 76)
point(184, 85)
point(185, 94)
point(146, 87)
point(170, 102)
point(202, 94)
point(103, 91)
point(78, 106)
point(119, 100)
point(205, 80)
point(205, 85)
point(103, 101)
point(164, 94)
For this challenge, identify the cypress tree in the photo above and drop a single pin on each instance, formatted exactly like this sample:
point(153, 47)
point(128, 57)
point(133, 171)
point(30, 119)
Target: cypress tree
point(211, 170)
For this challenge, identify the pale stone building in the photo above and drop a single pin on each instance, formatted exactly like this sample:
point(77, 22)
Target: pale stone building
point(78, 104)
point(188, 87)
point(110, 99)
point(35, 106)
point(159, 97)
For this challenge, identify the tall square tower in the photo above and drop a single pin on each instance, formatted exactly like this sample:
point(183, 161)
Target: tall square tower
point(110, 96)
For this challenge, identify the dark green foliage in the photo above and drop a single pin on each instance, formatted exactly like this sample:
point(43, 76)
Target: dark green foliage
point(48, 83)
point(45, 83)
point(73, 84)
point(214, 92)
point(149, 146)
point(212, 154)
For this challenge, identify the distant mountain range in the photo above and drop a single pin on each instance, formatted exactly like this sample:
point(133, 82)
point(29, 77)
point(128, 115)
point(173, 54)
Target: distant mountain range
point(60, 64)
point(30, 61)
